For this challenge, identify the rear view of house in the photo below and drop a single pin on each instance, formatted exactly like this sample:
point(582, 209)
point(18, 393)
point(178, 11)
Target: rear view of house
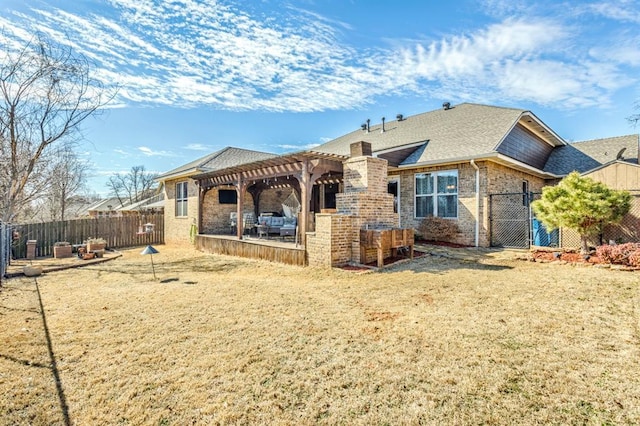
point(476, 165)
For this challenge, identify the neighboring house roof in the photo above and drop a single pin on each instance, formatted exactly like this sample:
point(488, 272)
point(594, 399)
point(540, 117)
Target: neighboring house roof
point(108, 204)
point(587, 155)
point(155, 201)
point(463, 131)
point(225, 158)
point(610, 164)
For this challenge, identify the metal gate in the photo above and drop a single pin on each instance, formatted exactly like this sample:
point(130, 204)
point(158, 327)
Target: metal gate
point(510, 219)
point(512, 223)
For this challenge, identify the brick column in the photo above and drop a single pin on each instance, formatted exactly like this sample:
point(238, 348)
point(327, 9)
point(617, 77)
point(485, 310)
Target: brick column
point(31, 249)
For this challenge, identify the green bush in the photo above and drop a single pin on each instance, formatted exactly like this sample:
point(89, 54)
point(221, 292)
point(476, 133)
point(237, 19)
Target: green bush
point(581, 204)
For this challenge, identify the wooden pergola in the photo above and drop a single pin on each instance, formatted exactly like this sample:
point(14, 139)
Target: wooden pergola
point(299, 171)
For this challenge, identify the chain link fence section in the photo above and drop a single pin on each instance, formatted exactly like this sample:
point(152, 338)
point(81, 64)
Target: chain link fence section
point(5, 248)
point(510, 219)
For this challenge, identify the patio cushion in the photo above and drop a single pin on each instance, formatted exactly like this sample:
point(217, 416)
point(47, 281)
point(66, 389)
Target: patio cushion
point(274, 223)
point(277, 221)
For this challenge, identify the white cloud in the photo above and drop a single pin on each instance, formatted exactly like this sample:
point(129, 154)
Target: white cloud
point(300, 147)
point(626, 52)
point(620, 10)
point(151, 153)
point(191, 53)
point(198, 147)
point(469, 55)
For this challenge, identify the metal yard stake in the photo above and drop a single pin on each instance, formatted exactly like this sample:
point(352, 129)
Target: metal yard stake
point(151, 250)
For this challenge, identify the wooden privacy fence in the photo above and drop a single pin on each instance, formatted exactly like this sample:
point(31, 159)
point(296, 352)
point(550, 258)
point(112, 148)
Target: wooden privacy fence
point(118, 232)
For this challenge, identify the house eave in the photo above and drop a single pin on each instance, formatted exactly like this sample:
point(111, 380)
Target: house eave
point(605, 165)
point(180, 175)
point(494, 157)
point(539, 128)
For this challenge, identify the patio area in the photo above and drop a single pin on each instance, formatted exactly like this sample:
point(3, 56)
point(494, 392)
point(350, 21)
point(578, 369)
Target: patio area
point(273, 248)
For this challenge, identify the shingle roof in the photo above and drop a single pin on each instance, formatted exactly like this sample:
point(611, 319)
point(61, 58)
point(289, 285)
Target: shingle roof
point(226, 157)
point(463, 131)
point(107, 204)
point(587, 155)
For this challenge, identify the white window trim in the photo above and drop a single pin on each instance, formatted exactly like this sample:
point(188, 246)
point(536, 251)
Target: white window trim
point(396, 178)
point(435, 194)
point(182, 200)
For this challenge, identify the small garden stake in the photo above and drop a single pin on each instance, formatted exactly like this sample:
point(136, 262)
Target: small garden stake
point(151, 250)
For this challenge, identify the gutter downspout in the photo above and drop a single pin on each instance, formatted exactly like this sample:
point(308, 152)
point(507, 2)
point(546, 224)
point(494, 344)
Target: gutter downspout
point(475, 166)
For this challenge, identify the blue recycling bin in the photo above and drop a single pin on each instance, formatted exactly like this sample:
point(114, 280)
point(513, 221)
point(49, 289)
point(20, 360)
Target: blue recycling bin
point(540, 234)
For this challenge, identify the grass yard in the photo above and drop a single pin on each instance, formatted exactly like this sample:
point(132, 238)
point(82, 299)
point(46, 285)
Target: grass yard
point(221, 340)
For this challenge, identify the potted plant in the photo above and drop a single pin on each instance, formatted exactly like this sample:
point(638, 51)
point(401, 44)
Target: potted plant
point(61, 249)
point(94, 244)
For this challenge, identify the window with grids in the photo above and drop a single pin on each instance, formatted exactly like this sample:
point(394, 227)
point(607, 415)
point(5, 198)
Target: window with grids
point(181, 199)
point(437, 194)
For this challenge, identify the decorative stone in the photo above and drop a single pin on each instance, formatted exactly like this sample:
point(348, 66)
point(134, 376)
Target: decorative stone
point(32, 271)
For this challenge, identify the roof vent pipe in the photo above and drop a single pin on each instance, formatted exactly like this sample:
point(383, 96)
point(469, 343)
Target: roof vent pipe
point(399, 117)
point(446, 106)
point(382, 130)
point(368, 122)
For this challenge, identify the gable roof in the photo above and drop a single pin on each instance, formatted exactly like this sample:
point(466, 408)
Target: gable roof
point(588, 155)
point(107, 204)
point(463, 131)
point(223, 159)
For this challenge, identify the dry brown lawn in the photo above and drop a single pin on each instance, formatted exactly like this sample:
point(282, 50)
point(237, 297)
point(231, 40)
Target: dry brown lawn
point(221, 340)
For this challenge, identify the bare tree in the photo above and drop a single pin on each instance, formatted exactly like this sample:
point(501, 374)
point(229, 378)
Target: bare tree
point(46, 92)
point(634, 119)
point(63, 187)
point(133, 186)
point(68, 178)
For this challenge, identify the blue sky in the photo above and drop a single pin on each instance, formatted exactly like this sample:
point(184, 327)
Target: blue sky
point(279, 76)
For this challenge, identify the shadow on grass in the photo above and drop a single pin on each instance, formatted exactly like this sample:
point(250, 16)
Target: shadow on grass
point(64, 407)
point(24, 362)
point(6, 308)
point(170, 280)
point(439, 265)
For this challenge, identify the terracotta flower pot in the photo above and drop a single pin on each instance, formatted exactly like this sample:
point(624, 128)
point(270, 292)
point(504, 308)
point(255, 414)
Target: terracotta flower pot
point(95, 246)
point(61, 251)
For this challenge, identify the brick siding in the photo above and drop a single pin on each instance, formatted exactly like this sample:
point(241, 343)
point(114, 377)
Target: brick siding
point(177, 229)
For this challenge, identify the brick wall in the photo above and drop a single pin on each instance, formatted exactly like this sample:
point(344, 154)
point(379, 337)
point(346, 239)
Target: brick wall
point(177, 229)
point(364, 203)
point(494, 178)
point(365, 174)
point(466, 199)
point(501, 179)
point(271, 199)
point(330, 244)
point(216, 216)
